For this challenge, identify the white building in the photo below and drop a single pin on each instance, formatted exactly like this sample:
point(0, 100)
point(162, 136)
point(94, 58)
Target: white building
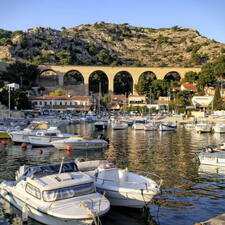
point(202, 101)
point(61, 102)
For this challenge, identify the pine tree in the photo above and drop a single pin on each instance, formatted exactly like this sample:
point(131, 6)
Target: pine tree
point(217, 100)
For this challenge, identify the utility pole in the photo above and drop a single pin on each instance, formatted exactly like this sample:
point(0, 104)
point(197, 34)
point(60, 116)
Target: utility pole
point(9, 91)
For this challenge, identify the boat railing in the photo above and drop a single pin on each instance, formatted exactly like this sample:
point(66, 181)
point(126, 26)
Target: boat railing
point(129, 182)
point(147, 174)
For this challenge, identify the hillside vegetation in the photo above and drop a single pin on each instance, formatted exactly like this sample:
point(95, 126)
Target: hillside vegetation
point(110, 44)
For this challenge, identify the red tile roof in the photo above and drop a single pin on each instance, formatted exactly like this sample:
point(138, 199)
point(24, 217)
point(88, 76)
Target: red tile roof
point(188, 86)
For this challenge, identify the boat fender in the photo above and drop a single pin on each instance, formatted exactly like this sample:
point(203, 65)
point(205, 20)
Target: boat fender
point(25, 212)
point(4, 192)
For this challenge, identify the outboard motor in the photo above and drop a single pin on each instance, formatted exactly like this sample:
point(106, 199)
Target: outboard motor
point(209, 149)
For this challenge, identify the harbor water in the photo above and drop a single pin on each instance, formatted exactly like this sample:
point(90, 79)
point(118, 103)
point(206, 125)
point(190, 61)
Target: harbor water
point(190, 193)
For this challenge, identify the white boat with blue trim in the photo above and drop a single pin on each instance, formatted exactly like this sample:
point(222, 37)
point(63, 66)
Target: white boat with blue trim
point(55, 194)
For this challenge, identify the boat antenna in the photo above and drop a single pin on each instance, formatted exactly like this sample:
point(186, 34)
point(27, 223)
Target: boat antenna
point(60, 169)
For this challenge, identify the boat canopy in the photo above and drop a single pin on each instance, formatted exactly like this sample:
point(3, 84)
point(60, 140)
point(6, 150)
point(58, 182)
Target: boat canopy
point(39, 171)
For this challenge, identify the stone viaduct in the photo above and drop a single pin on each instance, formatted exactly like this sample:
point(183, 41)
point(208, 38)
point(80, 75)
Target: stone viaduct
point(111, 72)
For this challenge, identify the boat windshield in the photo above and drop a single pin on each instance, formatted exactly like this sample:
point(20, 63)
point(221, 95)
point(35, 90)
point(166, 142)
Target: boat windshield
point(68, 192)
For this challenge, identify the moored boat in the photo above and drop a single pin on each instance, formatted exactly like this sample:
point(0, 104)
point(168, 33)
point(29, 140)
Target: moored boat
point(100, 125)
point(139, 124)
point(219, 128)
point(44, 138)
point(167, 126)
point(203, 127)
point(119, 125)
point(121, 187)
point(22, 136)
point(213, 155)
point(55, 194)
point(77, 142)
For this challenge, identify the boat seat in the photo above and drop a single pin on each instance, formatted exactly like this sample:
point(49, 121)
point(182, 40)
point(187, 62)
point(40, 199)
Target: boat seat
point(110, 176)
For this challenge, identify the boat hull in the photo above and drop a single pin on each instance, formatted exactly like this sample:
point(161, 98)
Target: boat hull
point(19, 138)
point(126, 198)
point(38, 215)
point(164, 127)
point(41, 141)
point(219, 129)
point(79, 145)
point(212, 158)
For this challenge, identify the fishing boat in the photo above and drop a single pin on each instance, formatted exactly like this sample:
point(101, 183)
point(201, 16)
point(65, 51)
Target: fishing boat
point(77, 142)
point(55, 194)
point(121, 187)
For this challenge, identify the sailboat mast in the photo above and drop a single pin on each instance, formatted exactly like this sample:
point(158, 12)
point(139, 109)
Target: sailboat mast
point(99, 96)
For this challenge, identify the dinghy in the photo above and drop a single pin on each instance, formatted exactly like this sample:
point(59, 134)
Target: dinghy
point(121, 187)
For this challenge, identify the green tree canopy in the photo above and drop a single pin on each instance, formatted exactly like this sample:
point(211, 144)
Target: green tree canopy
point(21, 73)
point(123, 83)
point(217, 100)
point(143, 87)
point(160, 88)
point(18, 99)
point(190, 77)
point(97, 80)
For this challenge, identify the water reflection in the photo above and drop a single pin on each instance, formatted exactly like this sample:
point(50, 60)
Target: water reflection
point(190, 193)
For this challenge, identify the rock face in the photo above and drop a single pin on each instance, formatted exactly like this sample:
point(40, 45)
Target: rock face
point(110, 44)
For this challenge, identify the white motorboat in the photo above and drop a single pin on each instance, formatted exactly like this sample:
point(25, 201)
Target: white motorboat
point(22, 136)
point(77, 142)
point(203, 127)
point(121, 187)
point(119, 125)
point(55, 194)
point(44, 138)
point(219, 128)
point(213, 155)
point(167, 126)
point(139, 125)
point(150, 127)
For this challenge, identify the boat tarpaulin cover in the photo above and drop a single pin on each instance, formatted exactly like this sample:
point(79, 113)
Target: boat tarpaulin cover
point(32, 171)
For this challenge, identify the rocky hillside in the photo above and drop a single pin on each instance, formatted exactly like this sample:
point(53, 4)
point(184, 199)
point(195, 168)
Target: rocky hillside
point(110, 44)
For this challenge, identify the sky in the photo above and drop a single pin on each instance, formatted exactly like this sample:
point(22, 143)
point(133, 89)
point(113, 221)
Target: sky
point(206, 16)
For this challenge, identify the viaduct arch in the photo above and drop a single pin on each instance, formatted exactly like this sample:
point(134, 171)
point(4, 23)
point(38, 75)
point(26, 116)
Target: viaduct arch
point(111, 72)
